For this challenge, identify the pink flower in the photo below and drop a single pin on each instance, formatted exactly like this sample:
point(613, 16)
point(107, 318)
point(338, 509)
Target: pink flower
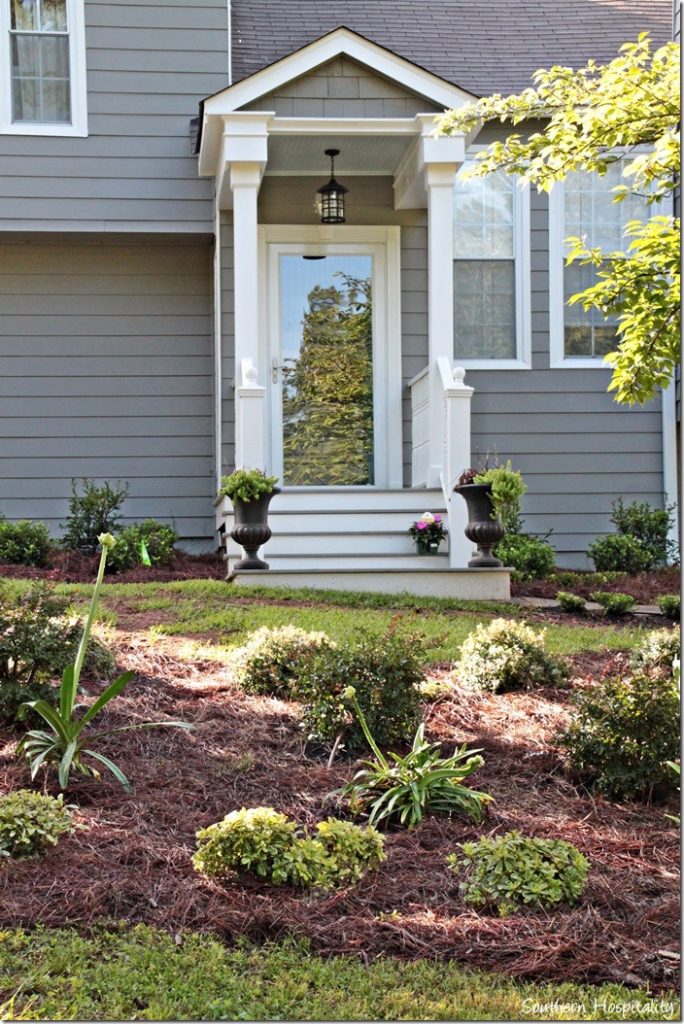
point(420, 525)
point(438, 518)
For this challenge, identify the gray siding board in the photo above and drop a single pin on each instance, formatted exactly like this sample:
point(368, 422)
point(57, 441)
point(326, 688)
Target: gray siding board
point(342, 88)
point(148, 65)
point(140, 409)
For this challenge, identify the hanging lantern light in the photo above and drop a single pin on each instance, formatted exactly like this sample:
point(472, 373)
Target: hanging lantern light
point(332, 195)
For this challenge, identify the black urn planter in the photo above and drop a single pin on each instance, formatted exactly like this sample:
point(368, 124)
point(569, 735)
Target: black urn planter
point(481, 529)
point(251, 529)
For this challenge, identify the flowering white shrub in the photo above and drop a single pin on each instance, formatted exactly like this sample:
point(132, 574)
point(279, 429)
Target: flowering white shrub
point(507, 655)
point(659, 649)
point(268, 662)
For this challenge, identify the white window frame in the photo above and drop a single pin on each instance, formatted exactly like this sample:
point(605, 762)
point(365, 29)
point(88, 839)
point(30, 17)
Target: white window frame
point(383, 244)
point(523, 285)
point(557, 255)
point(78, 127)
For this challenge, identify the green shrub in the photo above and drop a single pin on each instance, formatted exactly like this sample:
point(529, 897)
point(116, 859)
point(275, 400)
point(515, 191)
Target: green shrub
point(31, 822)
point(659, 649)
point(530, 557)
point(353, 850)
point(271, 659)
point(670, 606)
point(158, 540)
point(650, 526)
point(407, 788)
point(37, 641)
point(507, 655)
point(24, 542)
point(571, 602)
point(513, 871)
point(615, 605)
point(622, 733)
point(619, 553)
point(383, 670)
point(91, 513)
point(247, 485)
point(263, 842)
point(508, 489)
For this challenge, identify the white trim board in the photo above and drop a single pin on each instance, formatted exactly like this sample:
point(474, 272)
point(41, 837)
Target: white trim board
point(384, 244)
point(340, 42)
point(522, 243)
point(77, 79)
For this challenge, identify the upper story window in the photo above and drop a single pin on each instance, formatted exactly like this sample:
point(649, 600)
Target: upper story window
point(44, 92)
point(583, 206)
point(491, 272)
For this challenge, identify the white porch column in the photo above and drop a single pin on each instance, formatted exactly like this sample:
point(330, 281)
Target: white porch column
point(441, 156)
point(439, 181)
point(243, 159)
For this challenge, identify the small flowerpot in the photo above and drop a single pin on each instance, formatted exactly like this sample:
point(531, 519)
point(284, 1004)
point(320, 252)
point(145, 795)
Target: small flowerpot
point(427, 547)
point(251, 529)
point(482, 529)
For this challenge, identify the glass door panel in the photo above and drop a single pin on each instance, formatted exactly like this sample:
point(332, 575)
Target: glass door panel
point(325, 328)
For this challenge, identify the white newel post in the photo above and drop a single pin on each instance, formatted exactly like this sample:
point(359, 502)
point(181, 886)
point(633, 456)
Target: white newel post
point(250, 417)
point(456, 410)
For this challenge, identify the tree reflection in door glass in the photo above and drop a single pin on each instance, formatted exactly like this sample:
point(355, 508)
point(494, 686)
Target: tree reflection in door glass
point(328, 379)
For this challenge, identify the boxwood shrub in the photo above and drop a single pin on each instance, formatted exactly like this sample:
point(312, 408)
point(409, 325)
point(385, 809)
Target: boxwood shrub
point(384, 671)
point(24, 542)
point(271, 660)
point(507, 655)
point(623, 733)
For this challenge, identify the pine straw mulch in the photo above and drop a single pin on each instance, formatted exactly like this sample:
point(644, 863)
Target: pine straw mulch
point(644, 587)
point(132, 859)
point(76, 567)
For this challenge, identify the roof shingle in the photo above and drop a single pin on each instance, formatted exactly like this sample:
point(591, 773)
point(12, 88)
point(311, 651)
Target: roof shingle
point(483, 46)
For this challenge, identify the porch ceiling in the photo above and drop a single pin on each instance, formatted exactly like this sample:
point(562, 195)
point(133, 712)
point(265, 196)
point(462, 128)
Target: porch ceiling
point(359, 154)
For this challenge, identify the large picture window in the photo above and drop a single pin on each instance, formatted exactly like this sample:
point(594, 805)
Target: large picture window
point(583, 206)
point(45, 89)
point(491, 239)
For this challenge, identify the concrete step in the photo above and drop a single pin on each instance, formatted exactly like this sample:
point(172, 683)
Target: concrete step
point(466, 584)
point(318, 545)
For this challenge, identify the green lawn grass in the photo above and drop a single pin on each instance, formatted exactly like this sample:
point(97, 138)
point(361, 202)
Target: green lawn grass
point(146, 974)
point(196, 608)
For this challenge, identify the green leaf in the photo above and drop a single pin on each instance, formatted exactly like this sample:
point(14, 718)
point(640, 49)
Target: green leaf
point(113, 690)
point(114, 769)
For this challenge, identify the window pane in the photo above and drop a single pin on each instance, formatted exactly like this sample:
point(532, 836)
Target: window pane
point(25, 100)
point(54, 56)
point(40, 72)
point(24, 15)
point(483, 216)
point(587, 333)
point(25, 57)
point(55, 97)
point(53, 16)
point(484, 309)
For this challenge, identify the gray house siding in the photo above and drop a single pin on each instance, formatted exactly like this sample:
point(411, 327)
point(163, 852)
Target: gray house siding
point(342, 88)
point(107, 372)
point(148, 65)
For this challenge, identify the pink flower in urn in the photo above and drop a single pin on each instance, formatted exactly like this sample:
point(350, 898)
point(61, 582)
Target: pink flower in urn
point(420, 525)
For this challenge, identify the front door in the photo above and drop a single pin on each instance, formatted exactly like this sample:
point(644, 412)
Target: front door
point(329, 364)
